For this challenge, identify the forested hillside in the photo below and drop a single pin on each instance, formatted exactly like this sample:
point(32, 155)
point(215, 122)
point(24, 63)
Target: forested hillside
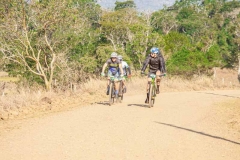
point(69, 41)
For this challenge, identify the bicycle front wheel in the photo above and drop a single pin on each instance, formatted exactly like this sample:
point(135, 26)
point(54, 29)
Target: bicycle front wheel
point(111, 94)
point(152, 93)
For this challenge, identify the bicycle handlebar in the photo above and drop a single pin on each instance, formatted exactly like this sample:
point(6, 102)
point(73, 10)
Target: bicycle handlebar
point(112, 77)
point(161, 75)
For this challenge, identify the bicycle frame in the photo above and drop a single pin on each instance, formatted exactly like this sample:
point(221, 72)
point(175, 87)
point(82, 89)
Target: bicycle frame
point(112, 89)
point(152, 89)
point(153, 81)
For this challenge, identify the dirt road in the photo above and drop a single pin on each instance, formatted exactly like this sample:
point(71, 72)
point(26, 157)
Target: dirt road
point(181, 126)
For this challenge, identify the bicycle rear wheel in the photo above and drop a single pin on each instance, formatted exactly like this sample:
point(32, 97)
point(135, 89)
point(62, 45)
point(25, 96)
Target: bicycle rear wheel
point(111, 94)
point(120, 93)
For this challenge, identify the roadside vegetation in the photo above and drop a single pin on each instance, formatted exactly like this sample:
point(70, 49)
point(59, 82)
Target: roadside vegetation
point(59, 46)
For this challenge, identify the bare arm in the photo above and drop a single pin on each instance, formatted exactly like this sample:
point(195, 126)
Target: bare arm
point(121, 69)
point(104, 67)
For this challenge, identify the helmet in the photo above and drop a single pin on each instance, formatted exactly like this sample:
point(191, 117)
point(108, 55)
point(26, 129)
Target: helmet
point(120, 57)
point(114, 55)
point(155, 50)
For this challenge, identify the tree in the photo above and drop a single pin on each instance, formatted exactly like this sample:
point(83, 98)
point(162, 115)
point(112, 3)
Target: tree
point(126, 4)
point(237, 41)
point(127, 30)
point(164, 21)
point(143, 37)
point(115, 26)
point(36, 35)
point(176, 41)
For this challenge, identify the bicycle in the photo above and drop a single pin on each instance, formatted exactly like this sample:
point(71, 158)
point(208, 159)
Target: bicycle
point(152, 89)
point(112, 89)
point(120, 93)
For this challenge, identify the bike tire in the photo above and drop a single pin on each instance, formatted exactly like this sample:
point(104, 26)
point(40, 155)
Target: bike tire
point(120, 98)
point(153, 95)
point(150, 95)
point(111, 93)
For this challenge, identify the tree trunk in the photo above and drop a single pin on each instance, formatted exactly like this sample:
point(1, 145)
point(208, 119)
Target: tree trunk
point(48, 85)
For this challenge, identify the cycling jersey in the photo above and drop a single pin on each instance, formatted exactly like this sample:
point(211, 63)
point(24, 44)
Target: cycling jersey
point(125, 67)
point(113, 66)
point(155, 64)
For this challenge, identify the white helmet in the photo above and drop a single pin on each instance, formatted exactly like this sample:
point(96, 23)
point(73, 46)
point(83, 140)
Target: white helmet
point(120, 57)
point(114, 55)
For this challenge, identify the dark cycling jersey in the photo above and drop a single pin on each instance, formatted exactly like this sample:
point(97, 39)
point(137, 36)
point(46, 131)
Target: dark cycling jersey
point(155, 64)
point(113, 66)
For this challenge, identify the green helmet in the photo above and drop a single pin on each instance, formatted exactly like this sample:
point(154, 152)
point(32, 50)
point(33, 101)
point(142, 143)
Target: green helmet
point(114, 55)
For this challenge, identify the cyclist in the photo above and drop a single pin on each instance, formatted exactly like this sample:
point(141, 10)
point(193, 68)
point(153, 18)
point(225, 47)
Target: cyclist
point(160, 54)
point(126, 71)
point(156, 65)
point(113, 65)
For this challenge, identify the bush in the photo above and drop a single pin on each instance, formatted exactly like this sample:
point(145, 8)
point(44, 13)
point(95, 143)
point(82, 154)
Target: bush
point(188, 62)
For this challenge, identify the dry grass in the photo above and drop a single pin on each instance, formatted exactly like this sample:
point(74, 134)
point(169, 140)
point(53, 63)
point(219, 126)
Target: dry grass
point(175, 84)
point(24, 101)
point(3, 74)
point(9, 79)
point(5, 78)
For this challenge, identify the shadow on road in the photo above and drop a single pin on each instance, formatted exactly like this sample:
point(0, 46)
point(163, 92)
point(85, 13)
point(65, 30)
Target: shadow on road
point(139, 105)
point(103, 103)
point(220, 95)
point(197, 132)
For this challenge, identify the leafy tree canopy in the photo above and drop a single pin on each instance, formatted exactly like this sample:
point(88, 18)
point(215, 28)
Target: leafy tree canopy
point(125, 4)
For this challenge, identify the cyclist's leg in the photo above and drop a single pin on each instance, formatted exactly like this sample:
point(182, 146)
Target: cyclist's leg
point(108, 81)
point(116, 79)
point(158, 81)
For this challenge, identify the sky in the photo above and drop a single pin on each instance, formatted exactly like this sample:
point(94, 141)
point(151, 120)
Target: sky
point(142, 5)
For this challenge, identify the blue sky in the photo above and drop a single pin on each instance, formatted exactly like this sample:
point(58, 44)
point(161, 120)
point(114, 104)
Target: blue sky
point(147, 5)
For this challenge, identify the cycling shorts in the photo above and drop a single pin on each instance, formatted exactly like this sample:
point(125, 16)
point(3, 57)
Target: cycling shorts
point(116, 75)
